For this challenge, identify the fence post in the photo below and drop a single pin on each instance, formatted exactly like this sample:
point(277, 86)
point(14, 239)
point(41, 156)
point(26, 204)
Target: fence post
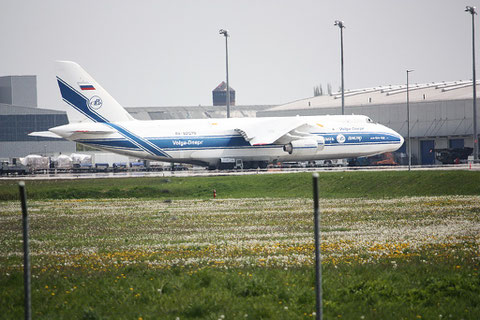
point(26, 254)
point(318, 262)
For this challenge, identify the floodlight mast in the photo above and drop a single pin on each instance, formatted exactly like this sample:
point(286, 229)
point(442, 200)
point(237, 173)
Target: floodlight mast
point(341, 25)
point(408, 126)
point(226, 34)
point(473, 12)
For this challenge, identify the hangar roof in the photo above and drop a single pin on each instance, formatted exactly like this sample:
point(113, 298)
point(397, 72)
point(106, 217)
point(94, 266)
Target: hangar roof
point(194, 112)
point(154, 113)
point(435, 91)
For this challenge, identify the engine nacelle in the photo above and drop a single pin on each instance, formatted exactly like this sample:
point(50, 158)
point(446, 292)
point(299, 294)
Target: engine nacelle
point(305, 146)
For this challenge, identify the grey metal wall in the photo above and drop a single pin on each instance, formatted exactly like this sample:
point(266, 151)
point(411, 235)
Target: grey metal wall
point(427, 119)
point(19, 90)
point(17, 127)
point(6, 90)
point(17, 122)
point(10, 149)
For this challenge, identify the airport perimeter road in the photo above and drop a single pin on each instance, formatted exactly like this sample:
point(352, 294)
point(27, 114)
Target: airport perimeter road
point(203, 172)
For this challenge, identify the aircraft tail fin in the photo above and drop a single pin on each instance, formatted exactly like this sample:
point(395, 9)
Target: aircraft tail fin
point(86, 97)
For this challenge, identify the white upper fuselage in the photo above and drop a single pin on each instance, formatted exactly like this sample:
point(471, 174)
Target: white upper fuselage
point(208, 140)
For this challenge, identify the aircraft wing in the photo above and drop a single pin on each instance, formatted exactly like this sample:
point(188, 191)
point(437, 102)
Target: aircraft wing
point(270, 131)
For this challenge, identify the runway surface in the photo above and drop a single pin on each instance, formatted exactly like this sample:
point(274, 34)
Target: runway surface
point(204, 172)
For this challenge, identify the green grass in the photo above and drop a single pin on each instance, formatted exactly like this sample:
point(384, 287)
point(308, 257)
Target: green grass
point(410, 291)
point(332, 185)
point(408, 258)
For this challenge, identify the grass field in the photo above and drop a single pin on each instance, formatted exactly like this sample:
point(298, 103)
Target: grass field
point(387, 184)
point(187, 257)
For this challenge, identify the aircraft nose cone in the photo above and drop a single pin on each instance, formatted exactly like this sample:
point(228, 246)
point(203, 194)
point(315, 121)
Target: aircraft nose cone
point(402, 140)
point(397, 136)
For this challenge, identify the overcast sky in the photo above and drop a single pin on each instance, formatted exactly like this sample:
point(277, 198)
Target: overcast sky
point(169, 53)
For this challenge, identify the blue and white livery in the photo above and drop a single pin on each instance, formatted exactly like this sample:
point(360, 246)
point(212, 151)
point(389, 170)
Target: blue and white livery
point(108, 126)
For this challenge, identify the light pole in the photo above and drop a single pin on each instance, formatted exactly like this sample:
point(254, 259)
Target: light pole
point(341, 26)
point(408, 126)
point(472, 11)
point(225, 33)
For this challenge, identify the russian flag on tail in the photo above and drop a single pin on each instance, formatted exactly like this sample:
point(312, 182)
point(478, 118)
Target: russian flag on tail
point(86, 86)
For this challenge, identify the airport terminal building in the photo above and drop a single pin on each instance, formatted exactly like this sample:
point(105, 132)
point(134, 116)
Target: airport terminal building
point(19, 115)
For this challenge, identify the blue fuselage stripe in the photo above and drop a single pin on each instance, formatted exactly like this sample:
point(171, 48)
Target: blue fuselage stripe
point(142, 143)
point(234, 142)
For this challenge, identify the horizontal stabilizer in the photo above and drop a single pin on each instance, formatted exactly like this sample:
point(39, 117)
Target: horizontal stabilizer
point(73, 130)
point(94, 131)
point(45, 134)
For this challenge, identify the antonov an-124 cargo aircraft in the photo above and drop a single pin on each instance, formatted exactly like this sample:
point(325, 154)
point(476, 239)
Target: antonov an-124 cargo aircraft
point(256, 141)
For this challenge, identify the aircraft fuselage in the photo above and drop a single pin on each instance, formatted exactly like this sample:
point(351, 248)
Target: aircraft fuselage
point(208, 140)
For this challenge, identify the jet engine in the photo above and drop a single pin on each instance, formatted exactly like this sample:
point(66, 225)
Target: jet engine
point(305, 146)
